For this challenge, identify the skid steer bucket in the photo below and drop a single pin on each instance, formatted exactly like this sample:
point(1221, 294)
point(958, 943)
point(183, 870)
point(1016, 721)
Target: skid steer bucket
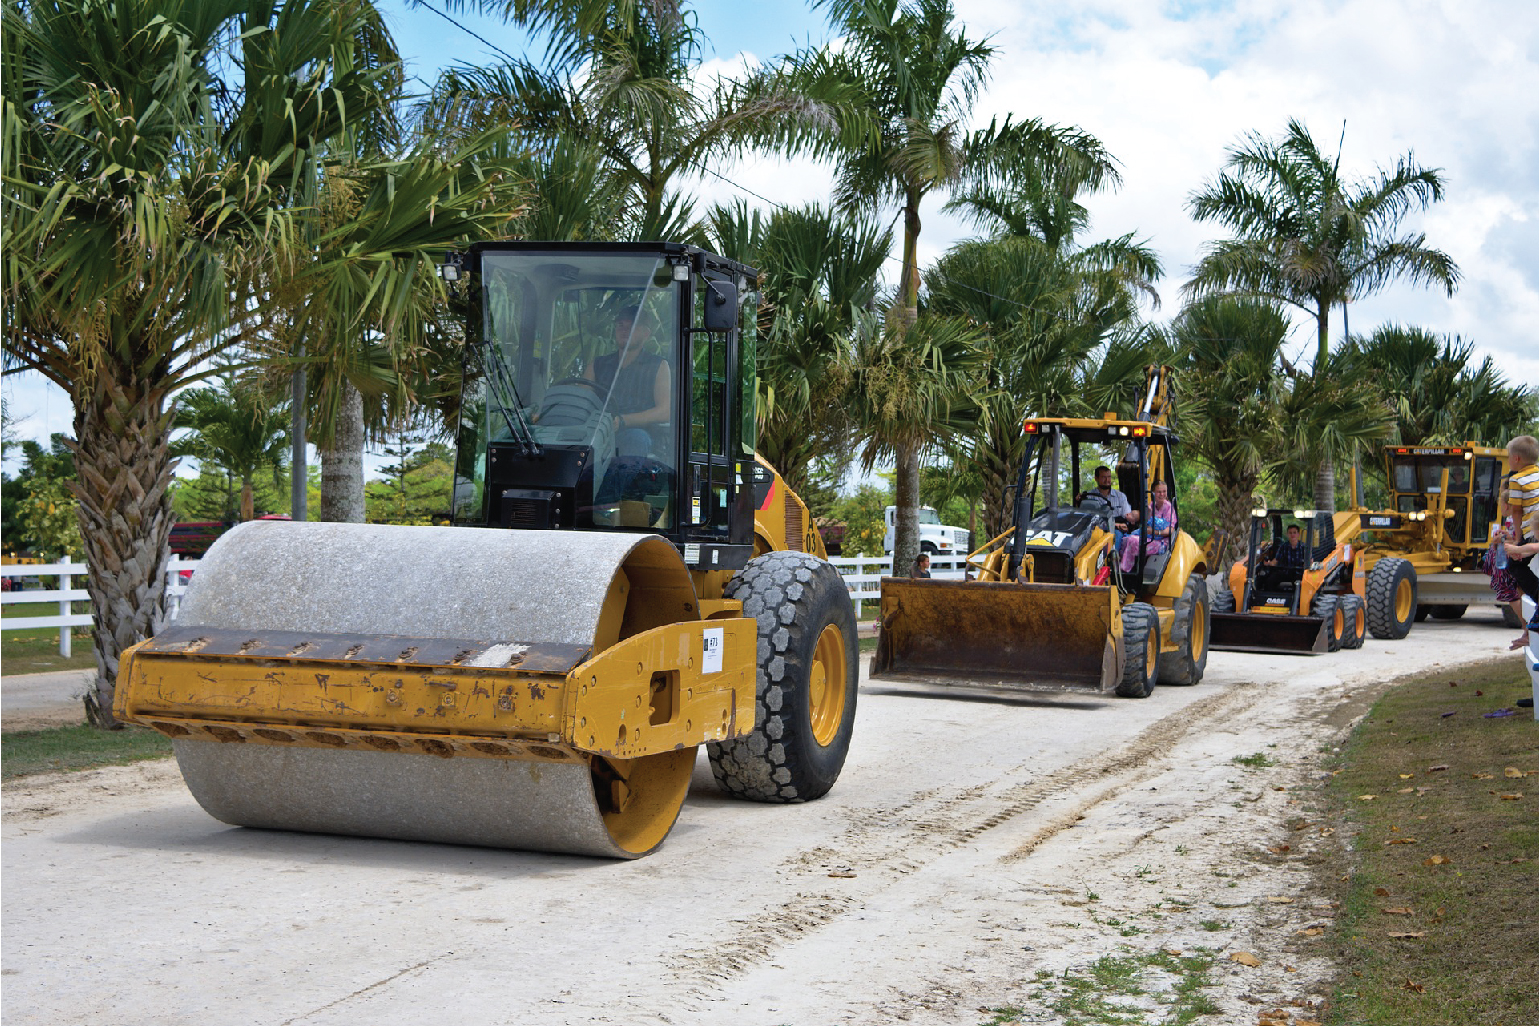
point(1268, 633)
point(1012, 637)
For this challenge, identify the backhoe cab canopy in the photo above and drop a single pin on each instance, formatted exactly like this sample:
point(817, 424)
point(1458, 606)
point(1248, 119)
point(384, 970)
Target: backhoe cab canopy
point(1054, 474)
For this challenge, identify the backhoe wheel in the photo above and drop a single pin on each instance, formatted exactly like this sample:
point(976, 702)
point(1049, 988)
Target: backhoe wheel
point(1329, 607)
point(1448, 611)
point(805, 706)
point(1141, 645)
point(1509, 618)
point(1423, 611)
point(1190, 634)
point(1391, 597)
point(1220, 600)
point(1355, 613)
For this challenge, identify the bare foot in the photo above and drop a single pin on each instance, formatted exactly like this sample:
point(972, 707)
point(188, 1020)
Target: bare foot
point(1519, 643)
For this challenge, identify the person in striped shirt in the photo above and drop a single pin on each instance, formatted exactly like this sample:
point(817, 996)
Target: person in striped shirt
point(1523, 495)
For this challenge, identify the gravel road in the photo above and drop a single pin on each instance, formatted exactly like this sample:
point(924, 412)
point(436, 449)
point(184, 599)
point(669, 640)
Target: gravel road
point(952, 863)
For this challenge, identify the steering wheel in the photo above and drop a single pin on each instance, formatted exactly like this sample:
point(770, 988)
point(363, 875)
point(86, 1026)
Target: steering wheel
point(1094, 502)
point(571, 401)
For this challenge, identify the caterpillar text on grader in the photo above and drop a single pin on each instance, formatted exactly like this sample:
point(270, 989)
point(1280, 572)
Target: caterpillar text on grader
point(624, 583)
point(1051, 609)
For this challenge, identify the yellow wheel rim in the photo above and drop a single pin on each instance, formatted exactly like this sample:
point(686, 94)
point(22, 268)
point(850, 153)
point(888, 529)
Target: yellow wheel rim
point(1199, 634)
point(1151, 652)
point(825, 690)
point(1339, 623)
point(1359, 623)
point(1404, 599)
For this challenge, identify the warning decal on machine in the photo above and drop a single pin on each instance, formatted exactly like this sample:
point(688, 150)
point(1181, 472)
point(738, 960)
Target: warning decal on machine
point(711, 647)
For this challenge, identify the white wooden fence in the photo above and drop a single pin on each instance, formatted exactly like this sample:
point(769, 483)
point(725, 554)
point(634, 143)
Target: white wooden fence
point(27, 586)
point(862, 574)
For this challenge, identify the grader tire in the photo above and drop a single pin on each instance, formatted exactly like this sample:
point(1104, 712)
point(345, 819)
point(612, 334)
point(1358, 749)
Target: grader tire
point(1141, 643)
point(1355, 614)
point(1221, 601)
point(1391, 597)
point(1329, 608)
point(804, 710)
point(1448, 611)
point(1509, 618)
point(1190, 632)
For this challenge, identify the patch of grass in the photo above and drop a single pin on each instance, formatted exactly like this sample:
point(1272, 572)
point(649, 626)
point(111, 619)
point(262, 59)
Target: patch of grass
point(1213, 925)
point(1094, 994)
point(1469, 945)
point(35, 650)
point(1255, 761)
point(77, 748)
point(868, 645)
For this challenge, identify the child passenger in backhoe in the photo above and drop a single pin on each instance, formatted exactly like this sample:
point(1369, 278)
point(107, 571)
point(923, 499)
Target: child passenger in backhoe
point(1162, 528)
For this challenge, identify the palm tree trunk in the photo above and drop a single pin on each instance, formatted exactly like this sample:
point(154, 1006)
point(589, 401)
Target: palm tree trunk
point(122, 431)
point(1236, 498)
point(905, 543)
point(1325, 485)
point(342, 463)
point(247, 499)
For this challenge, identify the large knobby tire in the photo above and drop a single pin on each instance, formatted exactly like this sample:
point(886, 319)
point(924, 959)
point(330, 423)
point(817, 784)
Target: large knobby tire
point(1189, 632)
point(1355, 613)
point(1221, 601)
point(1512, 620)
point(804, 711)
point(1141, 646)
point(1448, 611)
point(1423, 611)
point(1391, 597)
point(1329, 607)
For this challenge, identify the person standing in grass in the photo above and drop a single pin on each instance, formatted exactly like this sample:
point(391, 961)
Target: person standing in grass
point(1523, 495)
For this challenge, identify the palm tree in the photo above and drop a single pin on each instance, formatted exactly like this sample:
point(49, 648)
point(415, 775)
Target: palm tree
point(818, 274)
point(1437, 395)
point(1306, 236)
point(1061, 337)
point(1232, 390)
point(236, 427)
point(144, 202)
point(909, 76)
point(912, 387)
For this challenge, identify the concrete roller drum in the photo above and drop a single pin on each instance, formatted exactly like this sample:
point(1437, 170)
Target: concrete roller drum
point(523, 689)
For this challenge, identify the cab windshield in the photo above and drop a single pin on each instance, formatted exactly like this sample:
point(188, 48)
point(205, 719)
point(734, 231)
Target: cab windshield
point(576, 352)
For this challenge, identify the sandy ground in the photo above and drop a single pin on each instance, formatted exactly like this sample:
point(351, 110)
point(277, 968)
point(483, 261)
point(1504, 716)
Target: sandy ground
point(29, 701)
point(970, 845)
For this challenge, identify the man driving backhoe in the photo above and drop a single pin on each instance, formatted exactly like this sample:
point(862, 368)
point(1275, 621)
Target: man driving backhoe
point(1124, 517)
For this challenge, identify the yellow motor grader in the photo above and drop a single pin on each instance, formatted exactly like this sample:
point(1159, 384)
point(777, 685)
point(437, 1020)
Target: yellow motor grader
point(624, 583)
point(1050, 608)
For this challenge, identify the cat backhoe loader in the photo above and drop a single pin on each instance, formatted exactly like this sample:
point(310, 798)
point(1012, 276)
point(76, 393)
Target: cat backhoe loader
point(1050, 608)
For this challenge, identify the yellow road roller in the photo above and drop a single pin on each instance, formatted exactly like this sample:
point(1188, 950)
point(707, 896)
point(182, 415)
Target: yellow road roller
point(624, 581)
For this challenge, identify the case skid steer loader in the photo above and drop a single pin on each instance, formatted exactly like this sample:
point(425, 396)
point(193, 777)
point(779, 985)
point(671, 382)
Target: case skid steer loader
point(1316, 608)
point(1051, 609)
point(624, 582)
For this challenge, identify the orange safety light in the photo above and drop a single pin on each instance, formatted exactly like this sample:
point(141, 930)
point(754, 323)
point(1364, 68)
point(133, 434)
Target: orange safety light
point(1030, 427)
point(1140, 430)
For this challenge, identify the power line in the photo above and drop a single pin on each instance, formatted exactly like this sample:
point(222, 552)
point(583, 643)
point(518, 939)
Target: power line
point(469, 32)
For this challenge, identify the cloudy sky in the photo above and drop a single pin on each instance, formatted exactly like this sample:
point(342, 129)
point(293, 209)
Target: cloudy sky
point(1168, 86)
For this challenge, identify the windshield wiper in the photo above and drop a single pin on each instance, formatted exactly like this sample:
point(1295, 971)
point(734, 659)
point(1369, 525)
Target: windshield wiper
point(504, 384)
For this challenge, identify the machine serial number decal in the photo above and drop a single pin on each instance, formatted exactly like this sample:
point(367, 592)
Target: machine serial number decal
point(1049, 538)
point(712, 641)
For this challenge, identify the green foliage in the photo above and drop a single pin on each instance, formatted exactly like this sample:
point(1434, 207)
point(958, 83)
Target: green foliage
point(215, 495)
point(864, 516)
point(235, 431)
point(414, 490)
point(39, 507)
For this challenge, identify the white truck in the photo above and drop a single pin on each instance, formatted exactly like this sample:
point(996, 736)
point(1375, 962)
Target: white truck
point(935, 538)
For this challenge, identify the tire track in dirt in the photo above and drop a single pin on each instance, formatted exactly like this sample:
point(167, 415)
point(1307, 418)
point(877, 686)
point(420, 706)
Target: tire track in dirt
point(891, 842)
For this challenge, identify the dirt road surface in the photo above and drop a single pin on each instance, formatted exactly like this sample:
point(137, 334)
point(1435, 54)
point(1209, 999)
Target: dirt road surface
point(970, 845)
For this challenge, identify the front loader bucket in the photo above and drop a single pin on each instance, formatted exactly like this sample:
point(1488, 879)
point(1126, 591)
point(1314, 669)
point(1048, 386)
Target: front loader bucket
point(1014, 637)
point(1268, 633)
